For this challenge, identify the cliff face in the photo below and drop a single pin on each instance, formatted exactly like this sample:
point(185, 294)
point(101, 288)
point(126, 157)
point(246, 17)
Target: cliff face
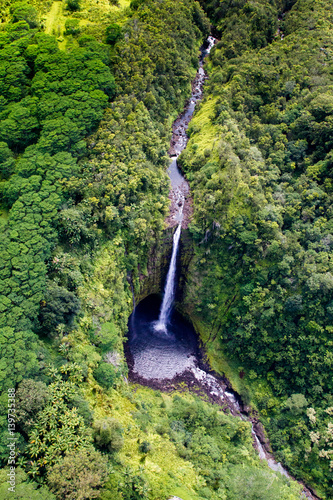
point(151, 280)
point(186, 254)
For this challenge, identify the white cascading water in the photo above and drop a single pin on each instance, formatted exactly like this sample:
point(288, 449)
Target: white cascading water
point(176, 181)
point(169, 291)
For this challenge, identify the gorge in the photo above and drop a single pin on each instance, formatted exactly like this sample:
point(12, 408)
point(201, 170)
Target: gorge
point(163, 348)
point(166, 284)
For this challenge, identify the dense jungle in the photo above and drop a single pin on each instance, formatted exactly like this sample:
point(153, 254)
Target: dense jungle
point(89, 90)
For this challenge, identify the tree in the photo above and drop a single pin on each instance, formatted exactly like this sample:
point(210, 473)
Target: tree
point(60, 307)
point(113, 33)
point(73, 5)
point(106, 337)
point(7, 161)
point(31, 398)
point(18, 356)
point(72, 27)
point(21, 127)
point(79, 475)
point(107, 434)
point(59, 135)
point(296, 404)
point(22, 11)
point(106, 375)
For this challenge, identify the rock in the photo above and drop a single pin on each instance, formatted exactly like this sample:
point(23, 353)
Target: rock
point(260, 432)
point(246, 409)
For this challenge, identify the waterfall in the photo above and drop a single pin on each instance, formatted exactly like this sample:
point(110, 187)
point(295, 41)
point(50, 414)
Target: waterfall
point(169, 290)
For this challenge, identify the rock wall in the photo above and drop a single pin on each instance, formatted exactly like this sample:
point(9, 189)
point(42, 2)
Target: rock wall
point(153, 281)
point(186, 253)
point(158, 263)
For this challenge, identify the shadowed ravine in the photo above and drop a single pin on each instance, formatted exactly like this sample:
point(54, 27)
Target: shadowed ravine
point(163, 348)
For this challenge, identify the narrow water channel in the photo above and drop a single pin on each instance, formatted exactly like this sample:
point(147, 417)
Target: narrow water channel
point(163, 347)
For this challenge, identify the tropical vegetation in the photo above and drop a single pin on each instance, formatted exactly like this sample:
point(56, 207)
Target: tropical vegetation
point(88, 94)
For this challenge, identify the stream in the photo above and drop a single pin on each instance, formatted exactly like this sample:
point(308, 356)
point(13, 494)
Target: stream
point(162, 349)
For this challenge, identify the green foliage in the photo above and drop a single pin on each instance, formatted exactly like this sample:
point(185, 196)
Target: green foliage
point(296, 403)
point(77, 401)
point(73, 5)
point(72, 27)
point(129, 485)
point(18, 353)
point(79, 475)
point(60, 307)
point(144, 447)
point(201, 19)
point(23, 487)
point(88, 212)
point(22, 11)
point(113, 33)
point(31, 397)
point(243, 25)
point(6, 160)
point(52, 100)
point(159, 77)
point(218, 447)
point(57, 115)
point(107, 434)
point(58, 431)
point(135, 4)
point(206, 436)
point(106, 337)
point(259, 163)
point(254, 484)
point(106, 375)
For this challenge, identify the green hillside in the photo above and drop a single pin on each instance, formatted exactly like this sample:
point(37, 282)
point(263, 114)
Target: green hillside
point(260, 171)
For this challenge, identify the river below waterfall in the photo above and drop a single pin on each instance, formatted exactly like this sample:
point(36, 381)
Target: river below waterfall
point(162, 349)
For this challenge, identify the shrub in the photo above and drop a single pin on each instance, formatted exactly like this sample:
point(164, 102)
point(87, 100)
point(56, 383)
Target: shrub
point(73, 5)
point(79, 475)
point(144, 447)
point(21, 11)
point(107, 434)
point(72, 27)
point(106, 375)
point(31, 397)
point(113, 33)
point(60, 308)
